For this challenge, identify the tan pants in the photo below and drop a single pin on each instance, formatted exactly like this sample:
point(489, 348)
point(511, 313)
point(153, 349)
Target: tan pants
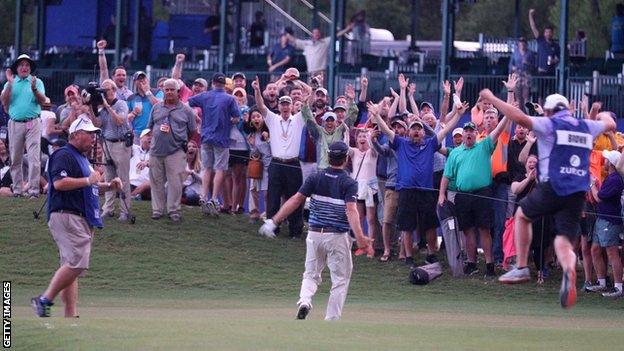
point(169, 169)
point(120, 154)
point(20, 136)
point(332, 250)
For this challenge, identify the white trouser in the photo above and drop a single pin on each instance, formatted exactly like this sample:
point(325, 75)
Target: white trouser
point(332, 250)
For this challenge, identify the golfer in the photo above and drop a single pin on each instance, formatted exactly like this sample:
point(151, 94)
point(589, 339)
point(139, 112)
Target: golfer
point(328, 243)
point(73, 212)
point(564, 144)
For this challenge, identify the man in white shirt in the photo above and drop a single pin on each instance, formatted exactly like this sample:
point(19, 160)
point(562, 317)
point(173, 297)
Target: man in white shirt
point(285, 176)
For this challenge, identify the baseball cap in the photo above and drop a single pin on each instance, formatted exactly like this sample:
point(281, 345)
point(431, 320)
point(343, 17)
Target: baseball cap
point(285, 99)
point(612, 156)
point(239, 75)
point(138, 75)
point(426, 104)
point(292, 71)
point(340, 106)
point(72, 89)
point(82, 124)
point(239, 90)
point(338, 149)
point(145, 132)
point(555, 100)
point(218, 78)
point(456, 131)
point(322, 90)
point(416, 123)
point(469, 125)
point(201, 81)
point(329, 115)
point(399, 122)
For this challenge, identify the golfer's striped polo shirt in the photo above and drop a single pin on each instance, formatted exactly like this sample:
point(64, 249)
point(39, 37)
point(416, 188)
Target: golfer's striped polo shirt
point(329, 190)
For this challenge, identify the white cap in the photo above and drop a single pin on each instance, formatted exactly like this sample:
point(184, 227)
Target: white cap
point(82, 124)
point(554, 100)
point(144, 132)
point(459, 131)
point(612, 155)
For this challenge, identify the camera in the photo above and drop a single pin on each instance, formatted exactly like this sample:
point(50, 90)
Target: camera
point(92, 95)
point(128, 138)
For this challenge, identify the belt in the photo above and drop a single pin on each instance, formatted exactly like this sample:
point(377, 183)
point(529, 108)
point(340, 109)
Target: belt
point(25, 120)
point(327, 230)
point(70, 212)
point(115, 140)
point(286, 160)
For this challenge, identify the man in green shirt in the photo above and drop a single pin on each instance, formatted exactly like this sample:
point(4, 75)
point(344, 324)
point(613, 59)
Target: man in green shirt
point(24, 94)
point(469, 167)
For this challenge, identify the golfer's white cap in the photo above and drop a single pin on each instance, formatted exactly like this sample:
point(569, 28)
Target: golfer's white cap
point(82, 124)
point(554, 100)
point(612, 156)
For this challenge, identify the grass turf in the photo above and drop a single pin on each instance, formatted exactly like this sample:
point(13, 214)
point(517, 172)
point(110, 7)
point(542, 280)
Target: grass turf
point(213, 283)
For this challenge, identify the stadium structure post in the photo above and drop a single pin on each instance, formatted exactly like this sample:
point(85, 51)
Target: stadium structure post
point(41, 22)
point(222, 29)
point(135, 36)
point(18, 28)
point(341, 24)
point(444, 55)
point(414, 25)
point(118, 33)
point(332, 52)
point(315, 15)
point(517, 20)
point(562, 70)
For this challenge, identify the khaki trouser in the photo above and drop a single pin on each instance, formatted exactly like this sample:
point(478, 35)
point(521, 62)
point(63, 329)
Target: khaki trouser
point(169, 169)
point(21, 135)
point(120, 155)
point(332, 250)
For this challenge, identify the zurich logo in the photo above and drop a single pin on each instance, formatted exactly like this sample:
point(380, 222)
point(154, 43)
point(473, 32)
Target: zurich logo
point(575, 161)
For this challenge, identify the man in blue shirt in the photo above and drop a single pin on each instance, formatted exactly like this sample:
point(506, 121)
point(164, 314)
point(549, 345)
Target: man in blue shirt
point(328, 242)
point(547, 47)
point(141, 102)
point(219, 111)
point(23, 95)
point(417, 200)
point(73, 211)
point(280, 55)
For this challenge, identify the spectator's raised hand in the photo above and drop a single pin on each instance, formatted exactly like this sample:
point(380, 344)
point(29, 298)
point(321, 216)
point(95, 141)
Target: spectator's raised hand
point(531, 137)
point(461, 108)
point(459, 86)
point(350, 92)
point(101, 45)
point(9, 75)
point(394, 93)
point(446, 87)
point(33, 83)
point(373, 109)
point(403, 82)
point(486, 94)
point(411, 89)
point(256, 84)
point(511, 82)
point(364, 82)
point(180, 58)
point(538, 109)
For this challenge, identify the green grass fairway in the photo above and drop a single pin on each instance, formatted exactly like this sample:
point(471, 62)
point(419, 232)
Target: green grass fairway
point(213, 284)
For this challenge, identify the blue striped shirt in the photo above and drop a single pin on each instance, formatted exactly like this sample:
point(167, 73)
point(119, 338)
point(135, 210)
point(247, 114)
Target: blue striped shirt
point(329, 191)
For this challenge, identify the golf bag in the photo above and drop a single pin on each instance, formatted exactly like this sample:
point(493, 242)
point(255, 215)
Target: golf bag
point(450, 233)
point(424, 274)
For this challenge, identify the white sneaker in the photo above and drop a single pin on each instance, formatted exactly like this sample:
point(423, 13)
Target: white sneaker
point(596, 288)
point(516, 276)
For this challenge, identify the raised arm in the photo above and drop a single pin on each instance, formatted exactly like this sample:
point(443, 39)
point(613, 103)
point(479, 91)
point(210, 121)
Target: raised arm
point(373, 112)
point(532, 23)
point(346, 30)
point(446, 88)
point(510, 112)
point(101, 45)
point(458, 111)
point(526, 150)
point(395, 103)
point(510, 84)
point(364, 90)
point(176, 71)
point(258, 96)
point(518, 187)
point(503, 125)
point(411, 90)
point(403, 82)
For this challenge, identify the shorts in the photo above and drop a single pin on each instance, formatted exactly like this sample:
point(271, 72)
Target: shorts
point(214, 157)
point(417, 210)
point(566, 210)
point(607, 234)
point(73, 236)
point(474, 211)
point(238, 157)
point(367, 192)
point(367, 202)
point(391, 206)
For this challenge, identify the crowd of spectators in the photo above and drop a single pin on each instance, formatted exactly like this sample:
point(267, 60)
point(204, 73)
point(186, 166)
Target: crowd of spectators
point(214, 145)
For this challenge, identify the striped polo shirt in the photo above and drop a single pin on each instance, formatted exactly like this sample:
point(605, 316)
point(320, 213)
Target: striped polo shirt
point(329, 191)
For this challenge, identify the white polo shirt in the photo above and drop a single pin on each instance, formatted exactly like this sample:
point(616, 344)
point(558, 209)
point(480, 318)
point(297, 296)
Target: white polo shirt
point(285, 135)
